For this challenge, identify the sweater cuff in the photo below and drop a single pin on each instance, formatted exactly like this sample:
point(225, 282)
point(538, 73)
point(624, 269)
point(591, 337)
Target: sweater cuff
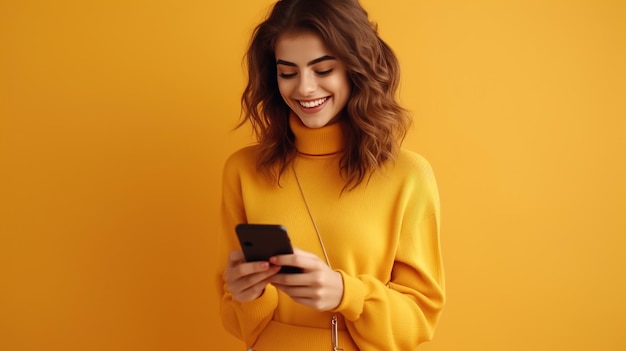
point(351, 305)
point(261, 307)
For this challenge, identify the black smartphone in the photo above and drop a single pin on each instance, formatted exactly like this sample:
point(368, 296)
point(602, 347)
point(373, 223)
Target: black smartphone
point(259, 242)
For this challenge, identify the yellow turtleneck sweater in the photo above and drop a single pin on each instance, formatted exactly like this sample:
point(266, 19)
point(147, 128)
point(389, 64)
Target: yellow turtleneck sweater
point(383, 237)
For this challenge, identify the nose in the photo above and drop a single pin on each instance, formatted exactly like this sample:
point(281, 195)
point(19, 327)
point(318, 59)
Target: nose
point(307, 84)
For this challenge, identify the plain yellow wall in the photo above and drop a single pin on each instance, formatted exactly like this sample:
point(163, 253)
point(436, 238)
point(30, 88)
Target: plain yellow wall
point(115, 120)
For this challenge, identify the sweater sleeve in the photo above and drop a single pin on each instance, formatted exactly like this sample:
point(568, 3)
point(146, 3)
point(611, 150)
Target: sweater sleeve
point(402, 313)
point(246, 320)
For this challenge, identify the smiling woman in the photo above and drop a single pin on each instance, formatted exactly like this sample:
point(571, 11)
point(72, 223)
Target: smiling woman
point(362, 213)
point(113, 120)
point(313, 83)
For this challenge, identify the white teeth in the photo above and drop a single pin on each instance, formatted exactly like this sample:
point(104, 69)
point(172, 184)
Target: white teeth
point(314, 103)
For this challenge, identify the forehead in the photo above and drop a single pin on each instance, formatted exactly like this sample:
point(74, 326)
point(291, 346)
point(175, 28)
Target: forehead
point(300, 47)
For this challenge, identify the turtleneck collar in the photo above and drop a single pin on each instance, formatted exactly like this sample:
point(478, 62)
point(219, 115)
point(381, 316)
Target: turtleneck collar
point(322, 141)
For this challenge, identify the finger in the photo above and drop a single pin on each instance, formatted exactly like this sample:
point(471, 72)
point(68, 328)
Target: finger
point(251, 293)
point(252, 281)
point(305, 261)
point(298, 279)
point(244, 269)
point(300, 252)
point(235, 257)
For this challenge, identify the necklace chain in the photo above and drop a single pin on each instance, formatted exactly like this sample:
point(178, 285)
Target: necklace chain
point(333, 329)
point(308, 209)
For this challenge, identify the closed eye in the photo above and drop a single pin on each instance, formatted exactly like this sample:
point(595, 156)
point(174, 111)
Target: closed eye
point(287, 75)
point(324, 73)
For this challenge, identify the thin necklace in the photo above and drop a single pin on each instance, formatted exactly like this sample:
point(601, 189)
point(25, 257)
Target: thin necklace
point(334, 334)
point(308, 209)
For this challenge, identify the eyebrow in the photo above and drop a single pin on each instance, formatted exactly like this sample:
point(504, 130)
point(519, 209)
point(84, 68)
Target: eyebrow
point(310, 63)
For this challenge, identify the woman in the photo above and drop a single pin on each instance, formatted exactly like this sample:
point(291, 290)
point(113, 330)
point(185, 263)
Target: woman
point(362, 213)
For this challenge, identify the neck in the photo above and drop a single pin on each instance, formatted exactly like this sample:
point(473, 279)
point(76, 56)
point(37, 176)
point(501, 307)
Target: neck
point(326, 140)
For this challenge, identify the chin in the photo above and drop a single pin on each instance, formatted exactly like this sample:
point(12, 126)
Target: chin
point(310, 122)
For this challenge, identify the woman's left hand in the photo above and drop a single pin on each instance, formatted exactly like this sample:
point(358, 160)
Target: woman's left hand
point(318, 286)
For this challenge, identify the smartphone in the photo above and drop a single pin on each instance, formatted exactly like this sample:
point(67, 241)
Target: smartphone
point(259, 242)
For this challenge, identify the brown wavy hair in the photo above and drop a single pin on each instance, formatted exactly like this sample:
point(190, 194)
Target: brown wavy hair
point(376, 122)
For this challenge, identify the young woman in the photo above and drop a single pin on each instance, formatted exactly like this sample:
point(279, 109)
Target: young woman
point(362, 213)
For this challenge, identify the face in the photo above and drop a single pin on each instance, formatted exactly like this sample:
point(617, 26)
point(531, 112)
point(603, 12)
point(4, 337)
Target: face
point(313, 83)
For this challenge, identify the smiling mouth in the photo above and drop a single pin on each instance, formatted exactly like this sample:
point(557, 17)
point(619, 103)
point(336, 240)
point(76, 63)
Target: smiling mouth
point(312, 104)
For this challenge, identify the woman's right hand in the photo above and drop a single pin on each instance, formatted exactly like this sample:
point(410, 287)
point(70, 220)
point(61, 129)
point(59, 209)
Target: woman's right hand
point(246, 281)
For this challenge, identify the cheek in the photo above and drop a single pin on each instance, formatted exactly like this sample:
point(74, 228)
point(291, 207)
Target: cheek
point(284, 89)
point(340, 84)
point(342, 89)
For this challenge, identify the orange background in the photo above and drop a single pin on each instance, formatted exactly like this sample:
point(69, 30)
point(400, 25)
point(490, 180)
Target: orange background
point(116, 117)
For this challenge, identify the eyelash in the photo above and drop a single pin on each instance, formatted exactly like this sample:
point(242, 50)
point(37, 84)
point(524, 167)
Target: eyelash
point(287, 76)
point(319, 73)
point(324, 73)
